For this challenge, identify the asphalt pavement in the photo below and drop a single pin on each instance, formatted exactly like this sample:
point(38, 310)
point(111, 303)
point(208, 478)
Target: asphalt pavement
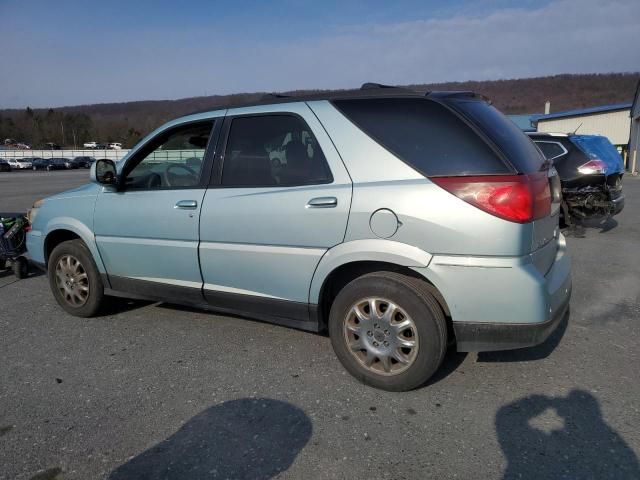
point(158, 391)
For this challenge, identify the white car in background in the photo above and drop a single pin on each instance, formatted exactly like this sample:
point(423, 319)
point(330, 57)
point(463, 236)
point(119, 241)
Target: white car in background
point(90, 145)
point(114, 146)
point(19, 163)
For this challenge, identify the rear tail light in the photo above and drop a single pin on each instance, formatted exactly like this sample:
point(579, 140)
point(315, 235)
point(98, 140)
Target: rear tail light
point(593, 167)
point(517, 198)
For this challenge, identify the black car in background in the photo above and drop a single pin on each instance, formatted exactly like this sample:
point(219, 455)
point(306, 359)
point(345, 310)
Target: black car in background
point(4, 166)
point(83, 162)
point(65, 163)
point(590, 170)
point(48, 164)
point(51, 146)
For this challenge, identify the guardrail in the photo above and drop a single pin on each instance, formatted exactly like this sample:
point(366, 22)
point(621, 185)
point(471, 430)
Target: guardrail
point(95, 153)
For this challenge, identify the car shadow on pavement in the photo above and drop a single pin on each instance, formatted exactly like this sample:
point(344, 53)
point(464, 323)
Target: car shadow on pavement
point(117, 305)
point(255, 438)
point(33, 273)
point(562, 437)
point(531, 353)
point(452, 360)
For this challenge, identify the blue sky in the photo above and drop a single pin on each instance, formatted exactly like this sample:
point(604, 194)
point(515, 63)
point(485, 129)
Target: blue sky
point(73, 52)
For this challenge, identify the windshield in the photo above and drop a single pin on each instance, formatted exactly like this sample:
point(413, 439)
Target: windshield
point(599, 147)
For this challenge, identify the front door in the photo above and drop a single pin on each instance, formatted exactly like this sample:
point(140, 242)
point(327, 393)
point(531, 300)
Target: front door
point(279, 200)
point(147, 230)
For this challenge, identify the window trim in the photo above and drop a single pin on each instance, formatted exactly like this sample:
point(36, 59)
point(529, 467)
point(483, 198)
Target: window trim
point(564, 149)
point(218, 167)
point(145, 150)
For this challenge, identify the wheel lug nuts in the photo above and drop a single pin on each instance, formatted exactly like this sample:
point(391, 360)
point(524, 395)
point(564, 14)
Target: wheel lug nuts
point(386, 344)
point(370, 333)
point(386, 332)
point(375, 344)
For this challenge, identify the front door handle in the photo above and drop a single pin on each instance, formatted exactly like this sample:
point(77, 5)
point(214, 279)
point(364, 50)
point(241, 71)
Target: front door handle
point(323, 202)
point(186, 204)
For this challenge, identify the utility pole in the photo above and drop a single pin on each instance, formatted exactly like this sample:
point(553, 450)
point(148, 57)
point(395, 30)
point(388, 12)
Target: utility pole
point(62, 128)
point(75, 145)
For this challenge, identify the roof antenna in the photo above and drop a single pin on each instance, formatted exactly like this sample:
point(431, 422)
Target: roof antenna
point(574, 132)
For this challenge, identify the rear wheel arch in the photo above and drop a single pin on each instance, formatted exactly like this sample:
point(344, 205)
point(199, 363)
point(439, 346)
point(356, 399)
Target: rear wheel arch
point(345, 273)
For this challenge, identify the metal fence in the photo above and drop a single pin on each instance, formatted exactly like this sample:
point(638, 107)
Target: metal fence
point(95, 153)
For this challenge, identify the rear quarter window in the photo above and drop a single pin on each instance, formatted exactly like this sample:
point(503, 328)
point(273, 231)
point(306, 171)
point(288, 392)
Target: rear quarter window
point(506, 135)
point(425, 135)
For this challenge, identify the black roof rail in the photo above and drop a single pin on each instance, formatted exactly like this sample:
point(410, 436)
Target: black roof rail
point(272, 96)
point(372, 85)
point(458, 94)
point(452, 93)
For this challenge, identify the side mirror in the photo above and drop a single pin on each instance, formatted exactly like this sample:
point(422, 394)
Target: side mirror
point(104, 171)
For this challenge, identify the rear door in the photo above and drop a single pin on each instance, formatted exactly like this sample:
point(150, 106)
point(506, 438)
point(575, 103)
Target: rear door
point(279, 199)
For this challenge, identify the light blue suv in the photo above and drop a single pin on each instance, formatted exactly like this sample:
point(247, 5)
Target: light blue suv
point(401, 223)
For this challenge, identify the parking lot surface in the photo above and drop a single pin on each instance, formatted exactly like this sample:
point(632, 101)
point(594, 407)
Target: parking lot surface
point(158, 391)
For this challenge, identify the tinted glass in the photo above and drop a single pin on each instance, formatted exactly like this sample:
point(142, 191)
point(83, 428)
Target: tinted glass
point(513, 142)
point(423, 134)
point(273, 150)
point(551, 150)
point(173, 160)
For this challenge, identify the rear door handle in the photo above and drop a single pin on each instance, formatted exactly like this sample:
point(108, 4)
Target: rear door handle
point(323, 202)
point(186, 204)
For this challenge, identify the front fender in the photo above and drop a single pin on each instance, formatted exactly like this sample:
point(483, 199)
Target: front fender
point(83, 231)
point(372, 250)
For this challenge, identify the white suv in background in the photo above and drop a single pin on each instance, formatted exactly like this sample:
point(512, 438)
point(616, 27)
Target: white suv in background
point(114, 146)
point(90, 145)
point(19, 163)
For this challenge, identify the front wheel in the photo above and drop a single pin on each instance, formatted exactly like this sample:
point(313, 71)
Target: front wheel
point(388, 331)
point(74, 279)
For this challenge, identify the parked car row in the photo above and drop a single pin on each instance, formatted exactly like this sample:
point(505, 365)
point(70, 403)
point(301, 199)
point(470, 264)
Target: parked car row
point(37, 163)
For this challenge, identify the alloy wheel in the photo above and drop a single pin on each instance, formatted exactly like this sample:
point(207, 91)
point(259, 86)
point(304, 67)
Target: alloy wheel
point(381, 336)
point(72, 281)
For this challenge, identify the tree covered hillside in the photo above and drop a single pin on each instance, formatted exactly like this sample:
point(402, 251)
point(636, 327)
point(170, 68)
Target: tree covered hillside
point(128, 122)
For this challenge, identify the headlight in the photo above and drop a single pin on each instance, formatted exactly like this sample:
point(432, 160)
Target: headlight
point(31, 213)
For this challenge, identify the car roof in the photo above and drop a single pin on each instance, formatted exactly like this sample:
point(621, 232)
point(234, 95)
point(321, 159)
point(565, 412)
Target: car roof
point(367, 90)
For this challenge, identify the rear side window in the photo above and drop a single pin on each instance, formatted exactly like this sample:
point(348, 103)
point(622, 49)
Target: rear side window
point(273, 151)
point(551, 150)
point(424, 134)
point(506, 135)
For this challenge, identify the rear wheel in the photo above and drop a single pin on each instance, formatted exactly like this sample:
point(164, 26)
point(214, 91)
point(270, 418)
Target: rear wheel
point(74, 279)
point(388, 331)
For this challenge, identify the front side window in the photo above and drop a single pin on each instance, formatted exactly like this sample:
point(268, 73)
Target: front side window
point(271, 151)
point(173, 160)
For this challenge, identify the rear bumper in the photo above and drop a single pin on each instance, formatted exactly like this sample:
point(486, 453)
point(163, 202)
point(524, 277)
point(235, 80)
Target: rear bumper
point(482, 337)
point(502, 303)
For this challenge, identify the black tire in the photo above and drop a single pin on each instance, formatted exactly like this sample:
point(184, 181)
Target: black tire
point(21, 268)
point(95, 298)
point(414, 297)
point(3, 264)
